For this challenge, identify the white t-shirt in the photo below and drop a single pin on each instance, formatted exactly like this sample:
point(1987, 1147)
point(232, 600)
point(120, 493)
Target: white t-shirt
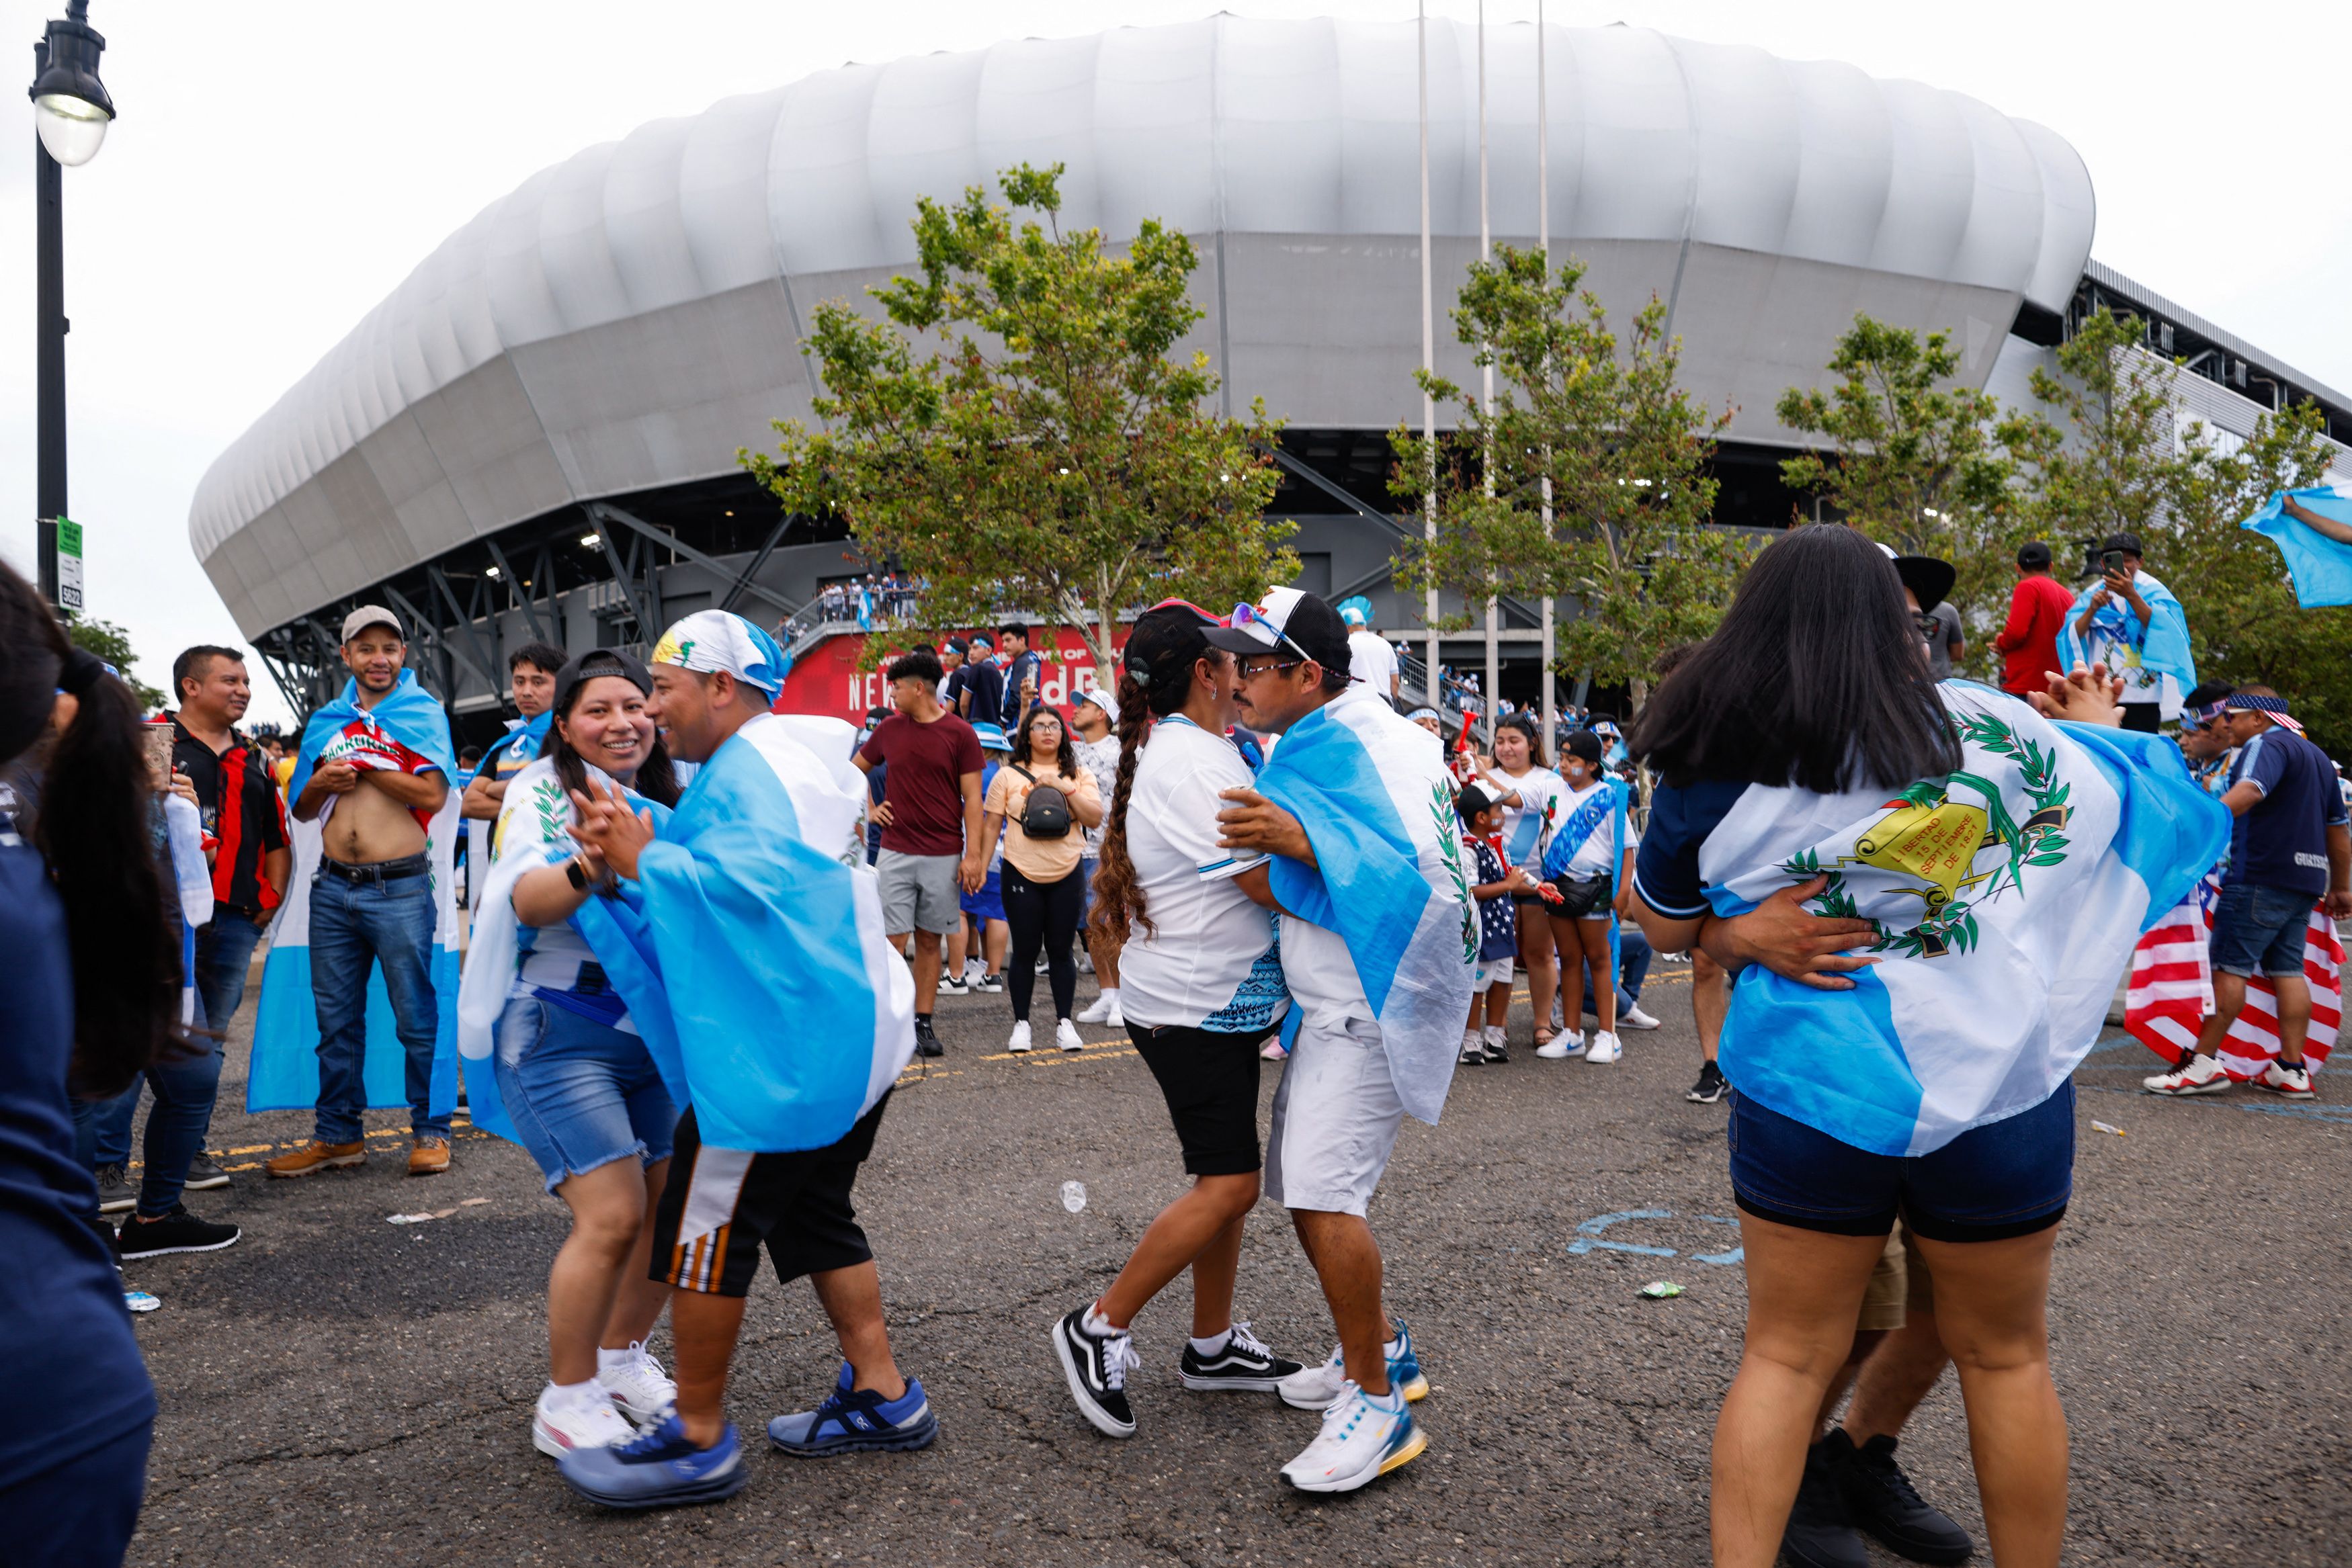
point(1372, 662)
point(1100, 759)
point(1597, 855)
point(1527, 827)
point(1211, 961)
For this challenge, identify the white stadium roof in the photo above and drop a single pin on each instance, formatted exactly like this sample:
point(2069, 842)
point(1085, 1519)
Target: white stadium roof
point(628, 319)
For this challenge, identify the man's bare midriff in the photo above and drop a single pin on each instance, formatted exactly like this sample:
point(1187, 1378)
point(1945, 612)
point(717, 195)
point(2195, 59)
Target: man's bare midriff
point(368, 825)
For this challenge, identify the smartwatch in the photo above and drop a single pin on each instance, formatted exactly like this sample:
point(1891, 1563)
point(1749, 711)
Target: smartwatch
point(575, 871)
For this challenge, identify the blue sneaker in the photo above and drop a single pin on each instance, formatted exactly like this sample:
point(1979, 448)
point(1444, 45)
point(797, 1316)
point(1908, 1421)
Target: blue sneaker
point(1362, 1440)
point(657, 1468)
point(858, 1421)
point(1315, 1388)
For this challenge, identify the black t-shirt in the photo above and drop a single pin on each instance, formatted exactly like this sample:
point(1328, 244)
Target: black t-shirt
point(985, 682)
point(241, 808)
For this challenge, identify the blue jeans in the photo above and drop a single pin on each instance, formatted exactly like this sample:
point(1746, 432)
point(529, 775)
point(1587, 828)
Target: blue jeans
point(1633, 956)
point(581, 1093)
point(224, 947)
point(354, 926)
point(184, 1091)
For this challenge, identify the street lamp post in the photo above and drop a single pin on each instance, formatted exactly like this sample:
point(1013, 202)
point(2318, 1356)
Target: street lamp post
point(71, 114)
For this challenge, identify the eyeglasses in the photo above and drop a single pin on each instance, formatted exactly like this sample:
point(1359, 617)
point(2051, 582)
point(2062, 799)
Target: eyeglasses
point(1247, 615)
point(1249, 672)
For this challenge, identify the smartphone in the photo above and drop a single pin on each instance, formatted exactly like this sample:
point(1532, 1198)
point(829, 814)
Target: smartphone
point(159, 756)
point(2111, 560)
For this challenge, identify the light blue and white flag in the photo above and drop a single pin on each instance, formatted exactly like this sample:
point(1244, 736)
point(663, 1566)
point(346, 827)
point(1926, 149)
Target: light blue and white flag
point(2160, 646)
point(1372, 789)
point(1602, 810)
point(781, 1013)
point(2008, 896)
point(191, 880)
point(2321, 566)
point(406, 731)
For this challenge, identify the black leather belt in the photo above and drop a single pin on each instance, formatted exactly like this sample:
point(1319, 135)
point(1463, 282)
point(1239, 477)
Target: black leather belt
point(377, 871)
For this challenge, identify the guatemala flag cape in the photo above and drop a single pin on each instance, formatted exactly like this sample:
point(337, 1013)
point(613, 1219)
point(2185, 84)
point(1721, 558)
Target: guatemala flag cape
point(2321, 569)
point(2162, 646)
point(409, 724)
point(764, 985)
point(1605, 805)
point(521, 744)
point(192, 881)
point(2008, 894)
point(532, 831)
point(1372, 789)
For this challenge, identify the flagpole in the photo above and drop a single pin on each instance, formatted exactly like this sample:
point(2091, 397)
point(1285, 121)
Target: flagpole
point(1543, 244)
point(1428, 368)
point(1493, 691)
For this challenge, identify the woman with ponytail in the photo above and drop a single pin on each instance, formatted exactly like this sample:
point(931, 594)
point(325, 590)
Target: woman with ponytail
point(1200, 985)
point(88, 998)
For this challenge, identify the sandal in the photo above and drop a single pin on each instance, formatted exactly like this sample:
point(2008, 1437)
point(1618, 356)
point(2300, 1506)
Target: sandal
point(1546, 1034)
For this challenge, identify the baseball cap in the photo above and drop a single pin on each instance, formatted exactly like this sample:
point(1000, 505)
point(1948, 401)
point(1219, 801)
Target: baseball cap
point(2128, 543)
point(1100, 697)
point(587, 666)
point(368, 615)
point(2034, 554)
point(1286, 618)
point(1584, 744)
point(992, 737)
point(1471, 801)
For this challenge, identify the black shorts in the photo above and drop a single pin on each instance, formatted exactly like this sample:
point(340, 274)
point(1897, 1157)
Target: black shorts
point(1209, 1078)
point(720, 1204)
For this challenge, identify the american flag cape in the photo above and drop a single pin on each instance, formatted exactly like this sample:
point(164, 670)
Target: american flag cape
point(2171, 989)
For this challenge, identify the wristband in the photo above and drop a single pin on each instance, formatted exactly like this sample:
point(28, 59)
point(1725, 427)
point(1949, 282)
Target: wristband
point(575, 871)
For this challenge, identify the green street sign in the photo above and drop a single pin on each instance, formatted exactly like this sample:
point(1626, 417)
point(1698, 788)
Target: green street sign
point(69, 564)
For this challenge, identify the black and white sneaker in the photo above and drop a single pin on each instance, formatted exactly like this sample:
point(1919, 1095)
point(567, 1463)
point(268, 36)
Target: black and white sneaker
point(178, 1231)
point(204, 1175)
point(926, 1042)
point(954, 986)
point(1245, 1366)
point(116, 1195)
point(1095, 1367)
point(1711, 1086)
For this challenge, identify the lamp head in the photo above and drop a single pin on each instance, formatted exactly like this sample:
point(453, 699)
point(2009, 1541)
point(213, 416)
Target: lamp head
point(70, 106)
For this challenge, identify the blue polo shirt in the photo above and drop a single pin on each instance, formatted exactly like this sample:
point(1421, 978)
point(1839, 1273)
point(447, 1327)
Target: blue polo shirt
point(2281, 841)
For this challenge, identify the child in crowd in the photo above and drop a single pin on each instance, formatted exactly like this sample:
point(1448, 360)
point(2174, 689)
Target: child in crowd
point(1499, 933)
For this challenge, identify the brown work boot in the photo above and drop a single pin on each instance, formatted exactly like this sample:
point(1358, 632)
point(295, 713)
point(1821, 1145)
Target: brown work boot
point(315, 1156)
point(430, 1156)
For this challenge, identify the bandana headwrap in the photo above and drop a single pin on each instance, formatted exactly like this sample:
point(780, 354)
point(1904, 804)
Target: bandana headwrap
point(709, 640)
point(2242, 702)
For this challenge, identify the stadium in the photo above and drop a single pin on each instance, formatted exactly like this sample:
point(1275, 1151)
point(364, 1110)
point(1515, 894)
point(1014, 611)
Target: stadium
point(535, 435)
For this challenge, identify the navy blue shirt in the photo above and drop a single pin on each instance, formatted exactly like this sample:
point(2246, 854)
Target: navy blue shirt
point(1027, 667)
point(2281, 841)
point(1665, 868)
point(78, 1373)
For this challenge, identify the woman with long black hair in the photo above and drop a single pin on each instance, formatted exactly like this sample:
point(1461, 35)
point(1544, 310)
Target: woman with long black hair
point(1044, 891)
point(1991, 872)
point(574, 1079)
point(88, 998)
point(1202, 985)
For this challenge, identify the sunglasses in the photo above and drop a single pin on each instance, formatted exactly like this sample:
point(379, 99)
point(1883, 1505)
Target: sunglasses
point(1249, 672)
point(1247, 615)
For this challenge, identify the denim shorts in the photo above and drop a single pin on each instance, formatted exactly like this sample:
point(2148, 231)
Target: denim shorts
point(2260, 930)
point(2009, 1177)
point(581, 1093)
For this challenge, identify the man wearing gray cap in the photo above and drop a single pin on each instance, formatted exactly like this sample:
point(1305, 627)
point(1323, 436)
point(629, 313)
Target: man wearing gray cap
point(375, 767)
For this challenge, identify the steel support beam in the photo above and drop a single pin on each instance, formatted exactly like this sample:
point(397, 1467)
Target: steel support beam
point(743, 579)
point(1292, 466)
point(604, 512)
point(516, 590)
point(486, 659)
point(646, 607)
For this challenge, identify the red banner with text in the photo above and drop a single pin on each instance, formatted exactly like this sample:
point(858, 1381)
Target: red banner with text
point(827, 679)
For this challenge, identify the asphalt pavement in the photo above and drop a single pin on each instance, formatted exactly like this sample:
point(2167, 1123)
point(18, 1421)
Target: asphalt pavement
point(337, 1388)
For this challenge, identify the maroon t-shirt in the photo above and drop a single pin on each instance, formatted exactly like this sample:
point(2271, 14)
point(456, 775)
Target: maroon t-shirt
point(924, 785)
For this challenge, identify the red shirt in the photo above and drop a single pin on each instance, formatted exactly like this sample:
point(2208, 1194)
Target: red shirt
point(2029, 644)
point(925, 784)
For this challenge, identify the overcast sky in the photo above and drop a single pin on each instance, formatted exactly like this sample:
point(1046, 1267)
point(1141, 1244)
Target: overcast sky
point(279, 169)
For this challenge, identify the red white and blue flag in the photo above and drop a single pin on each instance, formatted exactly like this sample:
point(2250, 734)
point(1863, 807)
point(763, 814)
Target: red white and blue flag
point(2171, 990)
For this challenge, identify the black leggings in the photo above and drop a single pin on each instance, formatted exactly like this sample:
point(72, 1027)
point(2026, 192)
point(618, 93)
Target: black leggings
point(1042, 914)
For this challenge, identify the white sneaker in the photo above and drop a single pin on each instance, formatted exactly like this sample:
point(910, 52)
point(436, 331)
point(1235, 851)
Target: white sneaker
point(1604, 1048)
point(2295, 1083)
point(1567, 1042)
point(1363, 1439)
point(1635, 1017)
point(1116, 1017)
point(973, 968)
point(641, 1390)
point(1497, 1036)
point(1098, 1011)
point(1020, 1041)
point(954, 988)
point(561, 1427)
point(1065, 1035)
point(1473, 1052)
point(2202, 1075)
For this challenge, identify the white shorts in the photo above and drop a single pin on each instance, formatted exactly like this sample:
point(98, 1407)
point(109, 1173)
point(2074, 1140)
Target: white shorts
point(1335, 1120)
point(1493, 972)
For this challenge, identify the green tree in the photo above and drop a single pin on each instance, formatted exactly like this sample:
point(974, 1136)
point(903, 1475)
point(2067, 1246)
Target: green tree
point(1019, 433)
point(2241, 605)
point(2106, 463)
point(112, 643)
point(1624, 446)
point(1913, 461)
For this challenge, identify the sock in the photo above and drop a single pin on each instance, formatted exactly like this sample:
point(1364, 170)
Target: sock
point(1096, 1325)
point(1469, 1039)
point(555, 1395)
point(1395, 1348)
point(1495, 1035)
point(1392, 1400)
point(606, 1360)
point(922, 1018)
point(1213, 1344)
point(1111, 995)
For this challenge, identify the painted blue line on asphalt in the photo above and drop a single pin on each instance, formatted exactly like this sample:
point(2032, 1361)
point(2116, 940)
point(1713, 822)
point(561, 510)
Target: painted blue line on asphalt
point(1589, 1234)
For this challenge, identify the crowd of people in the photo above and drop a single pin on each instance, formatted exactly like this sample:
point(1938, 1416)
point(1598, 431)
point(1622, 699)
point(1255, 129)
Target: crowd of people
point(1237, 837)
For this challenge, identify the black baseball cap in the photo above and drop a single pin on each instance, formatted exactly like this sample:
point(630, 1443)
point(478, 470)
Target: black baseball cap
point(1584, 744)
point(1929, 579)
point(2033, 555)
point(1471, 801)
point(2128, 543)
point(1286, 618)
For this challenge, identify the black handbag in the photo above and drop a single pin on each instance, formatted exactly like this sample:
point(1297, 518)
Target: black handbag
point(1046, 814)
point(1580, 897)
